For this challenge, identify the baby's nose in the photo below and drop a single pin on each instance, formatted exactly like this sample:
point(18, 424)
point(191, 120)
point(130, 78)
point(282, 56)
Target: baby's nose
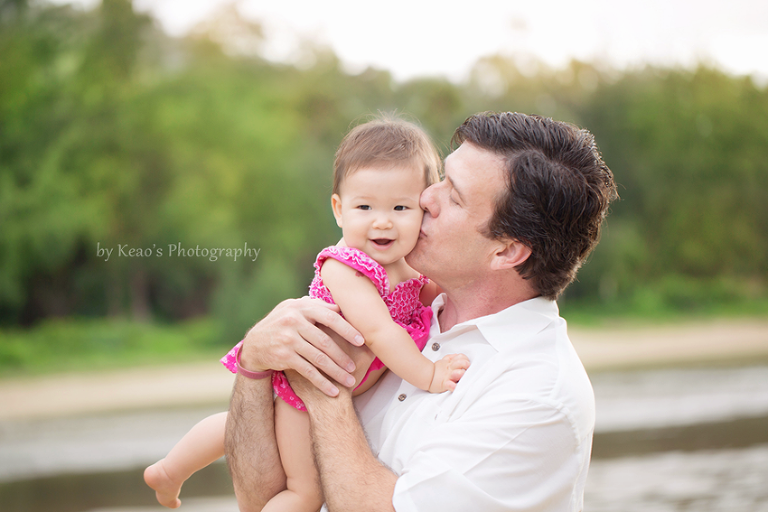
point(383, 222)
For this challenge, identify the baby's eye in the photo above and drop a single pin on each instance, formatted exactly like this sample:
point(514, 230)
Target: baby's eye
point(364, 207)
point(400, 208)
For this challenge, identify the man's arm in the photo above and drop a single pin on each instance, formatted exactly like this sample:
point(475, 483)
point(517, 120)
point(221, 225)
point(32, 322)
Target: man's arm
point(287, 338)
point(252, 456)
point(352, 478)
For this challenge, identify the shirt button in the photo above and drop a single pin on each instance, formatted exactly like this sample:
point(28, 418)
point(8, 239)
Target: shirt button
point(402, 397)
point(435, 347)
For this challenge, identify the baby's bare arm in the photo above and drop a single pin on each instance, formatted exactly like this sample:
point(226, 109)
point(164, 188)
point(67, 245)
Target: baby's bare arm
point(365, 310)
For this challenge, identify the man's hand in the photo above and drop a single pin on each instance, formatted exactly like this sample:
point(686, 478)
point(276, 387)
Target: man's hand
point(361, 356)
point(290, 338)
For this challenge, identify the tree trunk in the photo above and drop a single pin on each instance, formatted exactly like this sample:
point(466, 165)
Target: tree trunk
point(140, 309)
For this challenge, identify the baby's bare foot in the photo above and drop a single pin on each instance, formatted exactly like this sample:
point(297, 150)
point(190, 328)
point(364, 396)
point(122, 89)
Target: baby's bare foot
point(166, 490)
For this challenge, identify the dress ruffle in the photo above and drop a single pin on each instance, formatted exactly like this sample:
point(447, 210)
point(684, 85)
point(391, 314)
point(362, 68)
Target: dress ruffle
point(403, 303)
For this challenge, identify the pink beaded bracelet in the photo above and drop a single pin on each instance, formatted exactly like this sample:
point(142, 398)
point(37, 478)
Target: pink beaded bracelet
point(248, 373)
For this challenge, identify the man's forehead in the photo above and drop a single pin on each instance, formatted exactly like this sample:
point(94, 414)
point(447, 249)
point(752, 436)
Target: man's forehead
point(475, 173)
point(471, 160)
point(452, 161)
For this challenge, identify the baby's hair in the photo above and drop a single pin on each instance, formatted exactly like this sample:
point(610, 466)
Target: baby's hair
point(386, 139)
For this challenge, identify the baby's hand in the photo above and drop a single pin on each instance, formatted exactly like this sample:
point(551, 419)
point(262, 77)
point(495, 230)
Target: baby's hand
point(448, 371)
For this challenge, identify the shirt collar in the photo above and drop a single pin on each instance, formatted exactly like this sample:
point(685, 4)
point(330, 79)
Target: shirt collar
point(522, 320)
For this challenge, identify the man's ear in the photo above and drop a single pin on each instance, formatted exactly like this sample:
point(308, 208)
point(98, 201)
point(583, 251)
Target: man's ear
point(510, 254)
point(336, 206)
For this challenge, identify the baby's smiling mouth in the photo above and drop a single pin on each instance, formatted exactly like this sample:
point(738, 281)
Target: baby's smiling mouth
point(382, 242)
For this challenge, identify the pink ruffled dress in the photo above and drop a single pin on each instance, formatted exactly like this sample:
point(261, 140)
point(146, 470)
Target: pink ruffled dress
point(403, 304)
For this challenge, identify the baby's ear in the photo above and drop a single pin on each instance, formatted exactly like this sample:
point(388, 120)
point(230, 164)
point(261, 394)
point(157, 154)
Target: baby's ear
point(510, 254)
point(336, 206)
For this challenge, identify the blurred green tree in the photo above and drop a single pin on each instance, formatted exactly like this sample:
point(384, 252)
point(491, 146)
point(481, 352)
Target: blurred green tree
point(689, 149)
point(114, 135)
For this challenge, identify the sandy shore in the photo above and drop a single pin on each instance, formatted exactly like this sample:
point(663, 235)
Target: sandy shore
point(715, 342)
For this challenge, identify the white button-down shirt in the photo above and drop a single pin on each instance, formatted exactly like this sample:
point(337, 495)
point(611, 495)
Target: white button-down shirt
point(515, 435)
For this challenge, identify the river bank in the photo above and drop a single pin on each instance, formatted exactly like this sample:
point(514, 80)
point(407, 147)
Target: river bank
point(681, 410)
point(720, 342)
point(664, 438)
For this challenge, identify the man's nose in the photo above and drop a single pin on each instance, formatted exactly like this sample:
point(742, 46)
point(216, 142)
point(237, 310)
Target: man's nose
point(428, 201)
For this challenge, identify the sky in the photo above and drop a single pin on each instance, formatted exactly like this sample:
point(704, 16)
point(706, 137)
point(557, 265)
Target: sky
point(413, 38)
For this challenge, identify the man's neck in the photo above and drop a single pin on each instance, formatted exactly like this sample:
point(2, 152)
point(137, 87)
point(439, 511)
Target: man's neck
point(460, 307)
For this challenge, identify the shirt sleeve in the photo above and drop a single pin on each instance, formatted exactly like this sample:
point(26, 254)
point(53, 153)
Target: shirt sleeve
point(505, 453)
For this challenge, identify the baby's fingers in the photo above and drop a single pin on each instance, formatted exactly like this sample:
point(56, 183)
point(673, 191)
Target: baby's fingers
point(455, 375)
point(458, 361)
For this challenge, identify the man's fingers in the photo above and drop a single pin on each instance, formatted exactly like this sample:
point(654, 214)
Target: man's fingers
point(292, 337)
point(309, 372)
point(321, 340)
point(329, 318)
point(322, 364)
point(326, 355)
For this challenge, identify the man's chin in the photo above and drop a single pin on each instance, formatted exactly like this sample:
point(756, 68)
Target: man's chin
point(415, 258)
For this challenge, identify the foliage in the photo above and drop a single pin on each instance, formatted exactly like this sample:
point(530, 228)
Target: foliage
point(113, 135)
point(689, 149)
point(101, 344)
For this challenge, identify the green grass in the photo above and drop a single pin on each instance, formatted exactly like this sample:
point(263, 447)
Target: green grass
point(71, 345)
point(654, 312)
point(75, 345)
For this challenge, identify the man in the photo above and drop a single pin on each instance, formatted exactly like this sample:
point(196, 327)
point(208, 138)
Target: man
point(503, 234)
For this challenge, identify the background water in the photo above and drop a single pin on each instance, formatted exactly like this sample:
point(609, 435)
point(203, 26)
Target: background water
point(666, 440)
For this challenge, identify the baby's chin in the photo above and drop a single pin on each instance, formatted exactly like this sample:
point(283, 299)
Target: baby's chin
point(385, 259)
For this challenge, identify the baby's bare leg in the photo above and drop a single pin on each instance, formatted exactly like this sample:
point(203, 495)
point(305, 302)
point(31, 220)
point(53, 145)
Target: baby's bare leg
point(201, 446)
point(293, 440)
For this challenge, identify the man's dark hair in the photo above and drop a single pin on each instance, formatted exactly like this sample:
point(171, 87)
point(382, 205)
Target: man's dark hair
point(557, 194)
